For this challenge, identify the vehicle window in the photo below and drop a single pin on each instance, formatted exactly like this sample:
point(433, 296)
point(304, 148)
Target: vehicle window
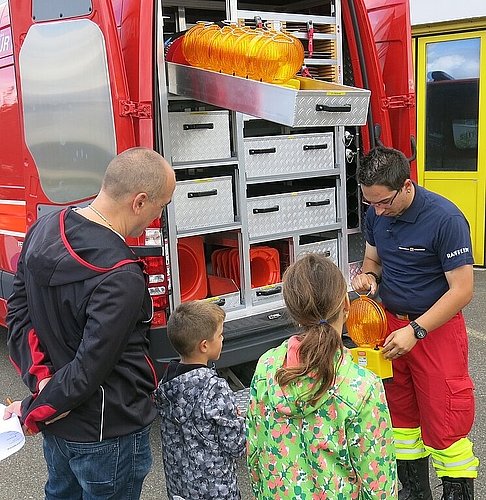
point(67, 105)
point(452, 105)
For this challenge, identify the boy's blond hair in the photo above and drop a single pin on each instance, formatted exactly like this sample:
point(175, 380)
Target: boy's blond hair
point(191, 323)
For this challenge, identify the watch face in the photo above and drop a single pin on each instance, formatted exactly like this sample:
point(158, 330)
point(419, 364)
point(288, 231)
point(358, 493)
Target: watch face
point(419, 332)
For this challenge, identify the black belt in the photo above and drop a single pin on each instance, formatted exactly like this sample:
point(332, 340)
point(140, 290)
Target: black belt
point(405, 317)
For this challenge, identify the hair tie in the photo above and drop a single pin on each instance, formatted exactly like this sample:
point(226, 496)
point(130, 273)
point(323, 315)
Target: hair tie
point(322, 321)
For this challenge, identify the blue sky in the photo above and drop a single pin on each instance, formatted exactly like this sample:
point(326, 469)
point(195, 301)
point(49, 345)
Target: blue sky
point(458, 58)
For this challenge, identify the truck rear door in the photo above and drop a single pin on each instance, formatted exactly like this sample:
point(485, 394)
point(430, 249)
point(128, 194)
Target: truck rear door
point(72, 91)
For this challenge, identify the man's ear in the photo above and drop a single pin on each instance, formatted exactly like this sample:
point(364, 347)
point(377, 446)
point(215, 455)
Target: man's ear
point(139, 202)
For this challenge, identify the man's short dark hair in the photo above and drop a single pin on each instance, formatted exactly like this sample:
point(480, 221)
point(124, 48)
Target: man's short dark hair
point(385, 167)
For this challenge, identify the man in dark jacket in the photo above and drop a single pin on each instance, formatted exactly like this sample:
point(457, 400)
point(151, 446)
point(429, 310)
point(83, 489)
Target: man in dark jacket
point(78, 321)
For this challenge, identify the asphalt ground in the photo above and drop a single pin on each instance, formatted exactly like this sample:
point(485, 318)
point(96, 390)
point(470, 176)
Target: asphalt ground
point(22, 475)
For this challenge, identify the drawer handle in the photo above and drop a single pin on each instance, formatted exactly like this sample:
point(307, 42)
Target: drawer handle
point(197, 126)
point(276, 208)
point(262, 151)
point(334, 109)
point(317, 203)
point(308, 147)
point(200, 194)
point(269, 291)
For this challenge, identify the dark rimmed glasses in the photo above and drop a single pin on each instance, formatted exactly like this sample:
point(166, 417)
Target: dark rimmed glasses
point(383, 203)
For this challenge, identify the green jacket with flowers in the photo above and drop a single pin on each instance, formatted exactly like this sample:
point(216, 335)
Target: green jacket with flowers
point(340, 448)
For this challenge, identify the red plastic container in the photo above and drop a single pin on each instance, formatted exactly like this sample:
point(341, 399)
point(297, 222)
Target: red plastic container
point(192, 268)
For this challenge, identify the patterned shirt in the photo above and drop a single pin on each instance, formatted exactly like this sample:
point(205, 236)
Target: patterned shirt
point(339, 448)
point(202, 435)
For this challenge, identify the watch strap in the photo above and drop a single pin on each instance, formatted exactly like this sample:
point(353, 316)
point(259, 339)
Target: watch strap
point(377, 278)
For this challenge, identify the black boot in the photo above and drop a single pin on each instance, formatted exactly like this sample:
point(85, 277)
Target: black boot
point(458, 488)
point(414, 476)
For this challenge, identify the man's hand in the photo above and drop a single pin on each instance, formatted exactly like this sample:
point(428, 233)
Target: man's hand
point(364, 283)
point(399, 343)
point(12, 409)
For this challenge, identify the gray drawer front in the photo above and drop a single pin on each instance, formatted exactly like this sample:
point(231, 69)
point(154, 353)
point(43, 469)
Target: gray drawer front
point(270, 156)
point(283, 213)
point(199, 136)
point(327, 247)
point(203, 203)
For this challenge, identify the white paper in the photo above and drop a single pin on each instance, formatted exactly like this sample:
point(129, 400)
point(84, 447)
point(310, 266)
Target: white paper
point(11, 436)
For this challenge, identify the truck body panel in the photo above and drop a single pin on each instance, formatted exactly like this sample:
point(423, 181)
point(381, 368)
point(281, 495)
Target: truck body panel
point(79, 86)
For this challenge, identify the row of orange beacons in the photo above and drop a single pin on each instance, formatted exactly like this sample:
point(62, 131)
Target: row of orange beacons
point(267, 55)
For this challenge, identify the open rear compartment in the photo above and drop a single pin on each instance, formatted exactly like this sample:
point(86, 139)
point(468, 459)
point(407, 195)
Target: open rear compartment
point(262, 177)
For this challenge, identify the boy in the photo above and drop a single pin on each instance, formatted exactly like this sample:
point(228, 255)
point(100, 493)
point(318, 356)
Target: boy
point(202, 432)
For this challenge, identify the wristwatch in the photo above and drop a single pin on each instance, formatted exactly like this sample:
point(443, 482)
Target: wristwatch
point(377, 278)
point(419, 331)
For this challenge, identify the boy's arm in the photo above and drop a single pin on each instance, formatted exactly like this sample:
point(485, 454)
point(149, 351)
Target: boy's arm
point(222, 410)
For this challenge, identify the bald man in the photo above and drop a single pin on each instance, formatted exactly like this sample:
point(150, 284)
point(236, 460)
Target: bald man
point(78, 321)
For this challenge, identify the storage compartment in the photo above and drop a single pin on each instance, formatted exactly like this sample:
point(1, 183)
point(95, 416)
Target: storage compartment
point(268, 262)
point(316, 104)
point(264, 266)
point(197, 276)
point(203, 203)
point(318, 244)
point(199, 136)
point(289, 212)
point(289, 154)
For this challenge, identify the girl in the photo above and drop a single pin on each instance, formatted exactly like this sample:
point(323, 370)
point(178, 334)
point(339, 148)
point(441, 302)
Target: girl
point(318, 425)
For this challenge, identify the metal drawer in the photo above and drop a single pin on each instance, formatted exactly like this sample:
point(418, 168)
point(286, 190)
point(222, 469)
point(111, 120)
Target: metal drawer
point(316, 104)
point(289, 154)
point(327, 247)
point(269, 293)
point(197, 136)
point(288, 212)
point(203, 203)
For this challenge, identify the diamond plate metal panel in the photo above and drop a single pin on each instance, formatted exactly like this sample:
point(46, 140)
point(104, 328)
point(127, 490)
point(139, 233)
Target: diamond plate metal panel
point(289, 154)
point(327, 247)
point(317, 103)
point(227, 301)
point(268, 293)
point(356, 247)
point(199, 136)
point(354, 270)
point(203, 203)
point(298, 211)
point(331, 109)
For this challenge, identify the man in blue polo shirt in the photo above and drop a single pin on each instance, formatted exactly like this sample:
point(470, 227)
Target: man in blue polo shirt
point(418, 249)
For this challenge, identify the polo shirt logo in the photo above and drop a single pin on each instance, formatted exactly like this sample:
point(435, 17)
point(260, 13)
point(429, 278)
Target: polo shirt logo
point(412, 249)
point(455, 253)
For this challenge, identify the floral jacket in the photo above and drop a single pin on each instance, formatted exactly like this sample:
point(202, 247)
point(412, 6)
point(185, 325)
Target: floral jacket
point(341, 448)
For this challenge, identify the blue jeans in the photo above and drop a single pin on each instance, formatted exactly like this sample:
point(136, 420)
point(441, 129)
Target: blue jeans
point(110, 469)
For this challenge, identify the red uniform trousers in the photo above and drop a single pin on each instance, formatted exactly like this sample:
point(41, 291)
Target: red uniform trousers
point(431, 387)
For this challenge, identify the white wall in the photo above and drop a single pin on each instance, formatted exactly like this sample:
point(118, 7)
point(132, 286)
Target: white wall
point(433, 11)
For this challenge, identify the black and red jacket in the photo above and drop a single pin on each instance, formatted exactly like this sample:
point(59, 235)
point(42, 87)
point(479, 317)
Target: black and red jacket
point(80, 313)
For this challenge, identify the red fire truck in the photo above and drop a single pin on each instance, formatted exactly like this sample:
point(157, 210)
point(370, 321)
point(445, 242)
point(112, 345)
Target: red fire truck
point(264, 172)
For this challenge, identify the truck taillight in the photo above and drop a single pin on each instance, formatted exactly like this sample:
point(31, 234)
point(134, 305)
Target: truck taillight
point(157, 287)
point(153, 236)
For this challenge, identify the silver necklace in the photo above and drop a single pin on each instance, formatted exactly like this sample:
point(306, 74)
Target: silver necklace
point(101, 216)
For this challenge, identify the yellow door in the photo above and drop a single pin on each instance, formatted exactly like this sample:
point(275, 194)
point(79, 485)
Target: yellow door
point(451, 154)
